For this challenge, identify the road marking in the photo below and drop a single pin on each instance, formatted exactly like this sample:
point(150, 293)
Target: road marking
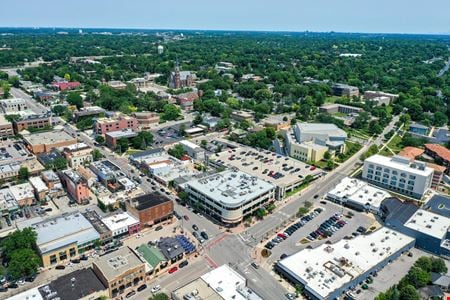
point(210, 262)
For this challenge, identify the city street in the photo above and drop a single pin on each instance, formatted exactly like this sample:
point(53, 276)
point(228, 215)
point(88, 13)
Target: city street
point(32, 104)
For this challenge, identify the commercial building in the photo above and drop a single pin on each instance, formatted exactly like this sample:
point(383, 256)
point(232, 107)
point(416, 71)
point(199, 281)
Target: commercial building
point(171, 248)
point(153, 257)
point(13, 106)
point(438, 175)
point(186, 100)
point(113, 137)
point(230, 196)
point(150, 208)
point(88, 111)
point(6, 127)
point(8, 203)
point(240, 115)
point(38, 121)
point(76, 186)
point(78, 155)
point(411, 152)
point(430, 229)
point(330, 270)
point(310, 141)
point(265, 165)
point(358, 194)
point(193, 150)
point(40, 188)
point(81, 284)
point(11, 169)
point(440, 154)
point(106, 171)
point(64, 237)
point(142, 157)
point(146, 119)
point(120, 271)
point(96, 221)
point(222, 283)
point(46, 141)
point(408, 177)
point(105, 125)
point(339, 108)
point(340, 89)
point(23, 194)
point(116, 84)
point(372, 95)
point(65, 85)
point(121, 224)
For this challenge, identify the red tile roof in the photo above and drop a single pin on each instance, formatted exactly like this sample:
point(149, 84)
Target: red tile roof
point(411, 152)
point(436, 167)
point(439, 150)
point(66, 85)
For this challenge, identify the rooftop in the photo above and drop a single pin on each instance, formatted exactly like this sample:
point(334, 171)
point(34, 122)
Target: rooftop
point(170, 247)
point(96, 221)
point(49, 137)
point(77, 147)
point(411, 152)
point(38, 184)
point(359, 191)
point(7, 201)
point(429, 223)
point(118, 221)
point(440, 205)
point(149, 200)
point(73, 176)
point(63, 230)
point(321, 129)
point(3, 120)
point(328, 267)
point(151, 255)
point(75, 285)
point(114, 264)
point(231, 187)
point(401, 163)
point(440, 150)
point(124, 133)
point(22, 191)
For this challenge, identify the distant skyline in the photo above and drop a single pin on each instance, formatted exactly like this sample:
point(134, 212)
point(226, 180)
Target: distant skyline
point(376, 16)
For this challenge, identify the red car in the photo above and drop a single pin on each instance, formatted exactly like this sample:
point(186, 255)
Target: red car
point(173, 270)
point(282, 235)
point(312, 168)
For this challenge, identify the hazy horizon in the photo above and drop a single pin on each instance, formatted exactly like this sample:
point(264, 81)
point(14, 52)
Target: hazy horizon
point(351, 16)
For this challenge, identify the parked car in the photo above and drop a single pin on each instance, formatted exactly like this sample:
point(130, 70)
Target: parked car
point(173, 270)
point(186, 217)
point(141, 288)
point(204, 235)
point(195, 227)
point(60, 267)
point(183, 264)
point(156, 289)
point(158, 228)
point(130, 294)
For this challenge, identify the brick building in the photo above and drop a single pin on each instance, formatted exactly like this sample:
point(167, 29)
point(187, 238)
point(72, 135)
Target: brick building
point(150, 208)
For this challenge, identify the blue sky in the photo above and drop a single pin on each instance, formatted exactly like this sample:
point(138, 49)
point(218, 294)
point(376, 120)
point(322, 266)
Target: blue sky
point(400, 16)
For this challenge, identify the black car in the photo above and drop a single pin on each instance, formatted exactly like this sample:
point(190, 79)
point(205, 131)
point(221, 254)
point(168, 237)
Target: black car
point(84, 257)
point(183, 264)
point(130, 294)
point(204, 235)
point(283, 256)
point(75, 261)
point(158, 228)
point(13, 285)
point(30, 278)
point(142, 287)
point(60, 267)
point(195, 227)
point(269, 245)
point(3, 289)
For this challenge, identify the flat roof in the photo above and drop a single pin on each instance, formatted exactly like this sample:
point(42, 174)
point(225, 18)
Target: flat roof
point(247, 164)
point(328, 267)
point(401, 163)
point(38, 184)
point(49, 137)
point(3, 120)
point(22, 191)
point(124, 133)
point(119, 220)
point(151, 255)
point(429, 223)
point(75, 285)
point(440, 205)
point(114, 264)
point(358, 191)
point(32, 294)
point(7, 200)
point(189, 144)
point(229, 284)
point(63, 230)
point(231, 187)
point(77, 147)
point(328, 129)
point(149, 200)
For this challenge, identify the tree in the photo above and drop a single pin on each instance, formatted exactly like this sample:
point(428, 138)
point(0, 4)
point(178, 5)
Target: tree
point(204, 143)
point(302, 211)
point(159, 296)
point(19, 239)
point(327, 155)
point(439, 119)
point(74, 98)
point(67, 77)
point(177, 151)
point(438, 265)
point(122, 145)
point(308, 204)
point(330, 164)
point(181, 130)
point(59, 163)
point(261, 213)
point(418, 277)
point(6, 89)
point(171, 112)
point(96, 155)
point(24, 174)
point(23, 262)
point(409, 293)
point(100, 139)
point(198, 119)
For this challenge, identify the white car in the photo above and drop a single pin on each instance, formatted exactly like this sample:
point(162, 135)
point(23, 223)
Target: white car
point(156, 289)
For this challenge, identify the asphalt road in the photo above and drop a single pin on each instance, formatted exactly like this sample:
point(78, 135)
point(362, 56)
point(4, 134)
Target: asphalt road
point(36, 107)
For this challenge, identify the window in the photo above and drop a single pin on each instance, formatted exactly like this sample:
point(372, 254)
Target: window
point(370, 166)
point(379, 168)
point(402, 174)
point(386, 170)
point(412, 177)
point(53, 259)
point(72, 252)
point(62, 255)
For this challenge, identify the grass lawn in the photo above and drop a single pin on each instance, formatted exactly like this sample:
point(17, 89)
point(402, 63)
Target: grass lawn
point(133, 151)
point(351, 149)
point(331, 99)
point(321, 164)
point(395, 144)
point(298, 189)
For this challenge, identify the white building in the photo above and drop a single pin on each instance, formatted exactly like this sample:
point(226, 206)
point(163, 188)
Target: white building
point(14, 105)
point(328, 271)
point(230, 196)
point(358, 194)
point(193, 150)
point(23, 194)
point(77, 155)
point(121, 224)
point(399, 174)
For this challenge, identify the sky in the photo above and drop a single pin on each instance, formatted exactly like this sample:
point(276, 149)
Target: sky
point(372, 16)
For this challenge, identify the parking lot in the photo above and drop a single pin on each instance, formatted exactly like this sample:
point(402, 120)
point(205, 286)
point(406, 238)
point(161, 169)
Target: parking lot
point(297, 240)
point(168, 135)
point(284, 172)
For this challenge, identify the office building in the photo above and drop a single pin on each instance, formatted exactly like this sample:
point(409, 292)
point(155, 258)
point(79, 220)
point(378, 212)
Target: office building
point(240, 115)
point(120, 271)
point(112, 138)
point(398, 174)
point(146, 119)
point(35, 121)
point(78, 155)
point(340, 89)
point(222, 283)
point(64, 237)
point(46, 141)
point(330, 270)
point(118, 123)
point(193, 150)
point(230, 196)
point(372, 95)
point(88, 111)
point(76, 186)
point(121, 224)
point(13, 106)
point(23, 194)
point(8, 203)
point(150, 208)
point(339, 108)
point(6, 127)
point(357, 194)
